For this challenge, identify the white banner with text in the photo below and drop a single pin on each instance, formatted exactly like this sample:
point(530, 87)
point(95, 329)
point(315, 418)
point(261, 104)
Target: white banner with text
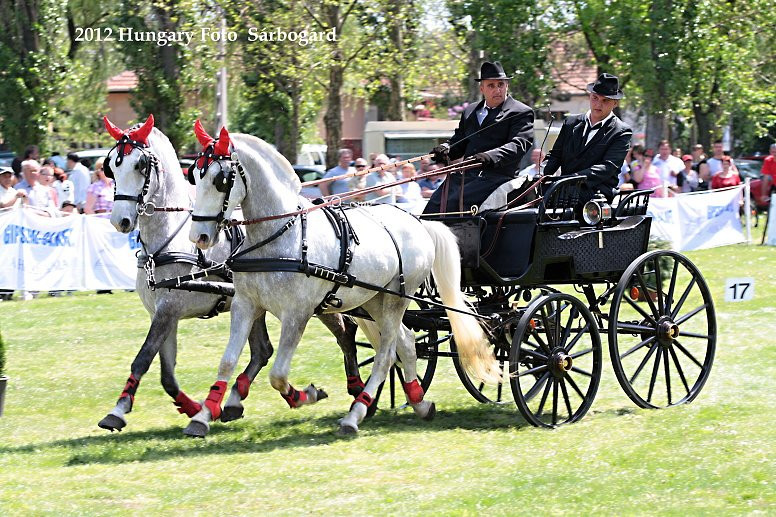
point(698, 220)
point(73, 253)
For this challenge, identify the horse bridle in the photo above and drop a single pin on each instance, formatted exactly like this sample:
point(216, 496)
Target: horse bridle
point(223, 181)
point(146, 163)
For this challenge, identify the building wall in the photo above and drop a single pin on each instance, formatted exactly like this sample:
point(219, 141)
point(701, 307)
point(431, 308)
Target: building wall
point(119, 110)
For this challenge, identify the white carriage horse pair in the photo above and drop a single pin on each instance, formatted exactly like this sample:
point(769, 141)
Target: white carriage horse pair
point(393, 250)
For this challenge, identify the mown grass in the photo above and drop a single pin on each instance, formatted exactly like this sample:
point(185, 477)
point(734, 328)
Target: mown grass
point(68, 359)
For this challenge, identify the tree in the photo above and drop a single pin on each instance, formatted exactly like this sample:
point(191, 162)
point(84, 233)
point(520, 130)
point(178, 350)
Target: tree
point(512, 32)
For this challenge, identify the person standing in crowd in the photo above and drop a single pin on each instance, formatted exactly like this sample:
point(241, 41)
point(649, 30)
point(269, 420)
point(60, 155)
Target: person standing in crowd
point(677, 152)
point(99, 195)
point(358, 182)
point(64, 187)
point(430, 183)
point(668, 165)
point(46, 178)
point(688, 178)
point(593, 144)
point(381, 177)
point(769, 169)
point(697, 156)
point(715, 162)
point(647, 176)
point(497, 132)
point(58, 160)
point(8, 194)
point(38, 196)
point(727, 177)
point(30, 153)
point(343, 167)
point(410, 191)
point(79, 175)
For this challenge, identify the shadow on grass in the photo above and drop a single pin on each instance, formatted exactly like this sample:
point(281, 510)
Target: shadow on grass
point(248, 436)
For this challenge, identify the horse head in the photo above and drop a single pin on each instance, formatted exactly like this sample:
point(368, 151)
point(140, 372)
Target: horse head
point(220, 186)
point(129, 163)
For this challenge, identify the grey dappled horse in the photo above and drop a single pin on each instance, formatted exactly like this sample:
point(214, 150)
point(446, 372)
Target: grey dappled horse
point(146, 170)
point(255, 176)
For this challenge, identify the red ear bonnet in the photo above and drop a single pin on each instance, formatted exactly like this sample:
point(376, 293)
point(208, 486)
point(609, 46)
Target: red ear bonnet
point(141, 134)
point(222, 145)
point(113, 131)
point(202, 136)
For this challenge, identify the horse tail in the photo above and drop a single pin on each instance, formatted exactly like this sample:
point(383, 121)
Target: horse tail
point(473, 350)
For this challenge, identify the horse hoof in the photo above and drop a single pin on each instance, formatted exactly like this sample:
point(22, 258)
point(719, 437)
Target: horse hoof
point(231, 413)
point(320, 395)
point(196, 429)
point(431, 413)
point(112, 423)
point(347, 430)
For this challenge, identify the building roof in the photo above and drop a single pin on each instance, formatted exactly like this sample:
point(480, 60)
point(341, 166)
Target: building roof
point(124, 82)
point(572, 67)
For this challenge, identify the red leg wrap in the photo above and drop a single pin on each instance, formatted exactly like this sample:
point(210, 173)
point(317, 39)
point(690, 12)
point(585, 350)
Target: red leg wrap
point(129, 390)
point(414, 391)
point(364, 398)
point(186, 405)
point(214, 398)
point(243, 384)
point(294, 398)
point(355, 385)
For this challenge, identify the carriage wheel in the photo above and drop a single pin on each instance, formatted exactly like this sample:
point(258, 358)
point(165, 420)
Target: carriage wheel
point(426, 346)
point(500, 339)
point(662, 330)
point(555, 361)
point(482, 392)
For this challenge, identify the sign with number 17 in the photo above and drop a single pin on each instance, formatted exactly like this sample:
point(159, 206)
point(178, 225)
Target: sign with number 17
point(739, 289)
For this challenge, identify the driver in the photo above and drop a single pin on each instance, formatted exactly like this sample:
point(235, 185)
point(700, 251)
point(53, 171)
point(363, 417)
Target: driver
point(497, 131)
point(593, 144)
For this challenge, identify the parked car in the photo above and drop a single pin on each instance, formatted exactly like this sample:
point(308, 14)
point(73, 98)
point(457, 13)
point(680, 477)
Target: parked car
point(759, 188)
point(309, 173)
point(6, 158)
point(92, 155)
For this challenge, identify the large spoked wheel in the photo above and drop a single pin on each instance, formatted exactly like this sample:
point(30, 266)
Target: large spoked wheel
point(555, 361)
point(662, 330)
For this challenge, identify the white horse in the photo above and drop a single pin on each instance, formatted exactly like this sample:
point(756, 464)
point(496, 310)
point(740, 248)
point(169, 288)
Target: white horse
point(394, 248)
point(146, 171)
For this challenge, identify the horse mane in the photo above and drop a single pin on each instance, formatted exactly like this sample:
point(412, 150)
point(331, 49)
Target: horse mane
point(163, 149)
point(255, 151)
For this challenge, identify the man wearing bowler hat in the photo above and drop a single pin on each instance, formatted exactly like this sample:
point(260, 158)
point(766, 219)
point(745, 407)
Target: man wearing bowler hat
point(497, 131)
point(593, 144)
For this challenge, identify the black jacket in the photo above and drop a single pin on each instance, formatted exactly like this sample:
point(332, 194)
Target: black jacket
point(506, 142)
point(600, 160)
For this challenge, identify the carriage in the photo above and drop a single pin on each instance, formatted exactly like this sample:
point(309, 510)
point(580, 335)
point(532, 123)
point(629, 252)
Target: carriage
point(527, 272)
point(521, 269)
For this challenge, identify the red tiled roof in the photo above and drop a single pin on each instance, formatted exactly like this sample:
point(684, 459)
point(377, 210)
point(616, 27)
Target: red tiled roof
point(572, 67)
point(124, 82)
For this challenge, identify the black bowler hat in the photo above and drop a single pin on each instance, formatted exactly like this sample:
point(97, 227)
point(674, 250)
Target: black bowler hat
point(607, 85)
point(493, 70)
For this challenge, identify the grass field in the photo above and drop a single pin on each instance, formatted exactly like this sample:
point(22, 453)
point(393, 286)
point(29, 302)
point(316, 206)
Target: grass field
point(68, 359)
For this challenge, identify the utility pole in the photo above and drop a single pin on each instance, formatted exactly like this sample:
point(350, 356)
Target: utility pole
point(221, 100)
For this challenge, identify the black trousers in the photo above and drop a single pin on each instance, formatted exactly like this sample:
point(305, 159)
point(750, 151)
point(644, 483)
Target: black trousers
point(476, 189)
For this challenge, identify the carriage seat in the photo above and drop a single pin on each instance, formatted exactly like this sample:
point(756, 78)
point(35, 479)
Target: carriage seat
point(500, 196)
point(507, 240)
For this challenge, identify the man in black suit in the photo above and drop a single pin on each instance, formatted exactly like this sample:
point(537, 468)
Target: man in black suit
point(497, 131)
point(593, 144)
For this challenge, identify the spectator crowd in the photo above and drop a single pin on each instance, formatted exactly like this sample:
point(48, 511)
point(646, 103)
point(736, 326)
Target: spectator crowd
point(56, 186)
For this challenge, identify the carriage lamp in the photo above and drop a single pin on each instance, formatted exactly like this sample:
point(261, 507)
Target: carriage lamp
point(596, 210)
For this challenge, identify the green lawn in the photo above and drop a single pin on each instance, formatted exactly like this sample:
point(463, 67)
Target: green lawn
point(68, 359)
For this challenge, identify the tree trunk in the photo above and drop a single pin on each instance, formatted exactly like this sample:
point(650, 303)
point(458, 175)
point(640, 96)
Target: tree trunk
point(395, 108)
point(657, 129)
point(704, 120)
point(293, 123)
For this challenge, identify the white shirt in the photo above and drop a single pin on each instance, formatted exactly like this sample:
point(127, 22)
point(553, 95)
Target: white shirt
point(715, 165)
point(81, 179)
point(7, 194)
point(668, 168)
point(482, 113)
point(595, 127)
